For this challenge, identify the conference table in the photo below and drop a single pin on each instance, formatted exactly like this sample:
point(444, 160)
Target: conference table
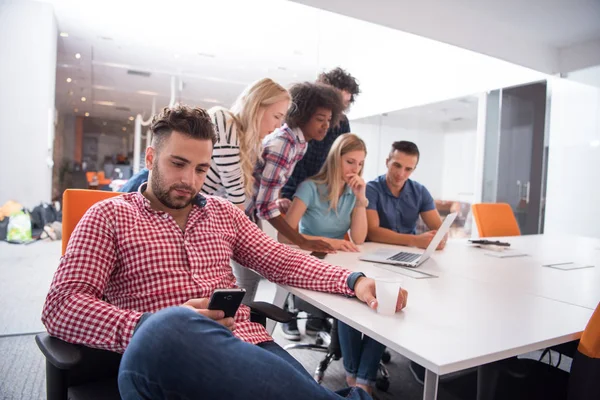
point(467, 308)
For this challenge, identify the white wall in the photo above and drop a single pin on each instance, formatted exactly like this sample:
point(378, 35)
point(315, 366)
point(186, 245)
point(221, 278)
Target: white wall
point(573, 186)
point(27, 84)
point(459, 167)
point(447, 166)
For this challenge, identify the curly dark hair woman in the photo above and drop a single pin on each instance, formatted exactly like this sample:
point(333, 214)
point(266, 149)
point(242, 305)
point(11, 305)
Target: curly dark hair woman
point(342, 80)
point(308, 98)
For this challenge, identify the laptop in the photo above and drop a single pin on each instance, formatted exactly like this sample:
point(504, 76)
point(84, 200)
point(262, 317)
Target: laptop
point(407, 258)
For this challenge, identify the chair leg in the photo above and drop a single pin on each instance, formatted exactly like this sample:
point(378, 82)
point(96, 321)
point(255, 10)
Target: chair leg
point(56, 383)
point(322, 367)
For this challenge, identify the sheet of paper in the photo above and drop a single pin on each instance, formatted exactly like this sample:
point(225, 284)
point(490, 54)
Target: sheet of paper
point(568, 266)
point(506, 253)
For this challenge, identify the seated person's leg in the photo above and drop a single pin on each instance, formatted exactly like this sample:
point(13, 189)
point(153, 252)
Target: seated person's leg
point(180, 354)
point(351, 346)
point(372, 351)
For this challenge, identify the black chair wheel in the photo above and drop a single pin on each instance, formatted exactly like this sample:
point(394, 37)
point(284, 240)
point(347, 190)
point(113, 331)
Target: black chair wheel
point(386, 357)
point(382, 384)
point(319, 341)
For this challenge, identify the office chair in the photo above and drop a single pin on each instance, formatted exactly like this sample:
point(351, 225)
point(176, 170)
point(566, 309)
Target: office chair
point(78, 372)
point(495, 219)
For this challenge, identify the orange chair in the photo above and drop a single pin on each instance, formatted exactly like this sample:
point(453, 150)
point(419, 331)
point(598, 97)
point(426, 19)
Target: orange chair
point(75, 203)
point(495, 219)
point(102, 180)
point(90, 176)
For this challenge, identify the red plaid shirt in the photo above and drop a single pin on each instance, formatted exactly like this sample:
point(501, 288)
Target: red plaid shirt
point(125, 258)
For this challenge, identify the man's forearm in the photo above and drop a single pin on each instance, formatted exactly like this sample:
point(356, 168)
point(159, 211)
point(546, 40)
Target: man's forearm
point(383, 235)
point(286, 230)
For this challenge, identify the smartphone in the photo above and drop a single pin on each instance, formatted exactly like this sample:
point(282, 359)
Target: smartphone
point(227, 300)
point(320, 255)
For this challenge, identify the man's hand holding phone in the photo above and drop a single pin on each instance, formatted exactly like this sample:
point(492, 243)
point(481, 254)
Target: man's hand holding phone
point(201, 307)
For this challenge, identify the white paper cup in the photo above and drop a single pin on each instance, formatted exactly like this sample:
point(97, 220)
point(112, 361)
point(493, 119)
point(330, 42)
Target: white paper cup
point(387, 290)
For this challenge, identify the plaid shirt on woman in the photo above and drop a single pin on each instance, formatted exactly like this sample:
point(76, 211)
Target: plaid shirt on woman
point(125, 259)
point(282, 149)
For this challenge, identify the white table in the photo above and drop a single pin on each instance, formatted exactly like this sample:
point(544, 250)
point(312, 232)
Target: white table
point(478, 309)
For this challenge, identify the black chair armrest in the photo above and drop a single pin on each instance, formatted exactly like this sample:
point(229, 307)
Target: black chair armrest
point(59, 353)
point(268, 310)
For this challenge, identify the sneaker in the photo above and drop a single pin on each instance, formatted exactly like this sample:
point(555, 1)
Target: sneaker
point(316, 325)
point(418, 372)
point(290, 330)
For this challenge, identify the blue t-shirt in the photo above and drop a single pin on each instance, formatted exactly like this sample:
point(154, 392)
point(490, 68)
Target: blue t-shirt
point(318, 219)
point(401, 213)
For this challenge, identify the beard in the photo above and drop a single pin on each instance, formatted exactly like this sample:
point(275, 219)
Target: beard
point(163, 193)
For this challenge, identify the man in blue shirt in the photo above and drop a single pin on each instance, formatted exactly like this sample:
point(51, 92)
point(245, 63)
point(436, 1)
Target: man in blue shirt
point(396, 202)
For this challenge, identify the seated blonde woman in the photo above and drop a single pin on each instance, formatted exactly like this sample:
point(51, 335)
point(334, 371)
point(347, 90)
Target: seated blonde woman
point(327, 206)
point(333, 202)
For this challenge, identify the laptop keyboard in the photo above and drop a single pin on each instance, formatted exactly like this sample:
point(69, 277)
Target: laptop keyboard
point(404, 257)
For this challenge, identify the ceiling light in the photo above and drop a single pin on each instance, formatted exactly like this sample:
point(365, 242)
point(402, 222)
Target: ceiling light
point(77, 56)
point(87, 114)
point(124, 129)
point(83, 99)
point(147, 92)
point(76, 110)
point(131, 118)
point(64, 34)
point(70, 93)
point(69, 80)
point(104, 103)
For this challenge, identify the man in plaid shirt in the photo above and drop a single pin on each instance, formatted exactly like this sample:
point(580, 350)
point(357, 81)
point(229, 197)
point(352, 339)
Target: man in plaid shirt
point(139, 269)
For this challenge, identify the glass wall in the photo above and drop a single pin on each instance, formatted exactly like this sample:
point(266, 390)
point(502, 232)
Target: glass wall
point(446, 134)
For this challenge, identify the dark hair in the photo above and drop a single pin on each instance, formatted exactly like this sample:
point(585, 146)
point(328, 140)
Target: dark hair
point(406, 147)
point(307, 97)
point(190, 121)
point(340, 79)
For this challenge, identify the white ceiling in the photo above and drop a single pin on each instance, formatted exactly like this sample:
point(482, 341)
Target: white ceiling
point(217, 48)
point(551, 36)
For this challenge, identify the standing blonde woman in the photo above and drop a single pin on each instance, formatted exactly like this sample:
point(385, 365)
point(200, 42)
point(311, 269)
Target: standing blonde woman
point(258, 111)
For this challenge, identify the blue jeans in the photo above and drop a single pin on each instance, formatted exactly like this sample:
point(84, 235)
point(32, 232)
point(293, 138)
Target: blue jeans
point(179, 354)
point(360, 354)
